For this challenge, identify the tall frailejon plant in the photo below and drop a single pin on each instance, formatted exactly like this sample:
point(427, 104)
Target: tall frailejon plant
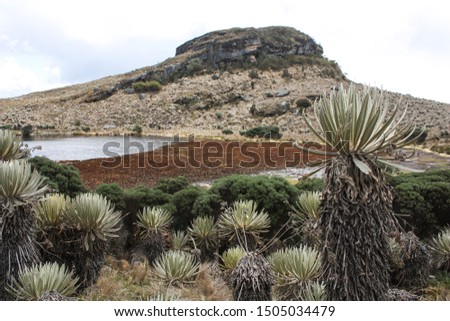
point(50, 212)
point(153, 224)
point(356, 203)
point(20, 187)
point(90, 222)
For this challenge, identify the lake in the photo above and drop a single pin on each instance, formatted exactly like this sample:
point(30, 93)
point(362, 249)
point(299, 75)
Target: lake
point(82, 148)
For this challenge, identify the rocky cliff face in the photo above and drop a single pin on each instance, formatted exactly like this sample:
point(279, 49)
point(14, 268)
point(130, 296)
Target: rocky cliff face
point(237, 43)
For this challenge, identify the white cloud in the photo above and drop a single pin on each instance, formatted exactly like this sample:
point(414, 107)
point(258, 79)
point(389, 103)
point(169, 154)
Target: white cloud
point(16, 78)
point(400, 45)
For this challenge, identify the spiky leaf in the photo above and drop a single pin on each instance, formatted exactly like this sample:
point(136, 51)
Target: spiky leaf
point(10, 147)
point(33, 282)
point(19, 184)
point(94, 216)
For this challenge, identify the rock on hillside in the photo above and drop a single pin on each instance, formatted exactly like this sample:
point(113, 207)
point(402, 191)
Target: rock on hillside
point(232, 79)
point(237, 43)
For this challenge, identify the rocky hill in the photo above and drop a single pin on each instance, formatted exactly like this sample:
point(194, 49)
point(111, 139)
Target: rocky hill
point(231, 79)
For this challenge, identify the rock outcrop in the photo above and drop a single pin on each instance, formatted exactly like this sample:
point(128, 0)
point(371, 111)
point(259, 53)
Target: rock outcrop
point(240, 43)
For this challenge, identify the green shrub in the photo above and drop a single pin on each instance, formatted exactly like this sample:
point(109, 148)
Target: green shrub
point(441, 149)
point(146, 86)
point(271, 62)
point(303, 103)
point(183, 204)
point(310, 185)
point(113, 193)
point(227, 131)
point(27, 130)
point(263, 132)
point(423, 200)
point(194, 66)
point(272, 194)
point(61, 178)
point(172, 185)
point(137, 129)
point(137, 198)
point(253, 74)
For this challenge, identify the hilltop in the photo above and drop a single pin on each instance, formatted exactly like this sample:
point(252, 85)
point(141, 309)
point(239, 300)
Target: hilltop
point(231, 79)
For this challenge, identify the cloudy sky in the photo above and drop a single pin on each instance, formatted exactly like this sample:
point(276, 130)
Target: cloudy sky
point(403, 46)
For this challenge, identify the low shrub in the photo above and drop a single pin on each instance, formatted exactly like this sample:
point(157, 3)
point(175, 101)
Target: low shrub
point(272, 194)
point(423, 200)
point(182, 204)
point(113, 193)
point(172, 185)
point(227, 131)
point(147, 86)
point(61, 178)
point(263, 132)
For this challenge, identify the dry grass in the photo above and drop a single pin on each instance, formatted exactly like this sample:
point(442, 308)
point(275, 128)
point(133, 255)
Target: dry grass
point(137, 283)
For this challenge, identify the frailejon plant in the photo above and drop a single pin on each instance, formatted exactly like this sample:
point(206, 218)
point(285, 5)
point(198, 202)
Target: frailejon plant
point(176, 267)
point(296, 272)
point(153, 224)
point(252, 279)
point(20, 187)
point(305, 217)
point(243, 224)
point(203, 232)
point(40, 280)
point(440, 246)
point(90, 222)
point(179, 240)
point(10, 147)
point(50, 212)
point(410, 262)
point(231, 257)
point(356, 206)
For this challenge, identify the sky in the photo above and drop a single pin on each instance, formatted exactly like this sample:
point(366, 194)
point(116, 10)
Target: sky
point(401, 46)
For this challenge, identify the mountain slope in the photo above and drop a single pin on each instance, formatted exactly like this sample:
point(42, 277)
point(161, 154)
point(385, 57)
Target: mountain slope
point(230, 79)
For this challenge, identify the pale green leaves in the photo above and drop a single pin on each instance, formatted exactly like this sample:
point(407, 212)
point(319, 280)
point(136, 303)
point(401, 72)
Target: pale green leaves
point(153, 218)
point(231, 257)
point(10, 148)
point(440, 246)
point(33, 282)
point(243, 220)
point(50, 210)
point(19, 184)
point(94, 216)
point(176, 267)
point(354, 123)
point(307, 206)
point(203, 231)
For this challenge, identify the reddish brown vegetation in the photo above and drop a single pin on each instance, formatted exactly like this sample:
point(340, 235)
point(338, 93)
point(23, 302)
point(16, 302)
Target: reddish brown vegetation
point(196, 161)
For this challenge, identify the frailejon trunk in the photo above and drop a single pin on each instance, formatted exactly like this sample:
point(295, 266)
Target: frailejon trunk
point(18, 248)
point(356, 220)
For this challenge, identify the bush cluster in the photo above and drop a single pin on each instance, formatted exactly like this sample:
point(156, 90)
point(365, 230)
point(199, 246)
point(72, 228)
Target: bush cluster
point(147, 86)
point(263, 132)
point(60, 178)
point(423, 200)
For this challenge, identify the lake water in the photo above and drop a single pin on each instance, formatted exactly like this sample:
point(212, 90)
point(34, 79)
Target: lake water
point(81, 148)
